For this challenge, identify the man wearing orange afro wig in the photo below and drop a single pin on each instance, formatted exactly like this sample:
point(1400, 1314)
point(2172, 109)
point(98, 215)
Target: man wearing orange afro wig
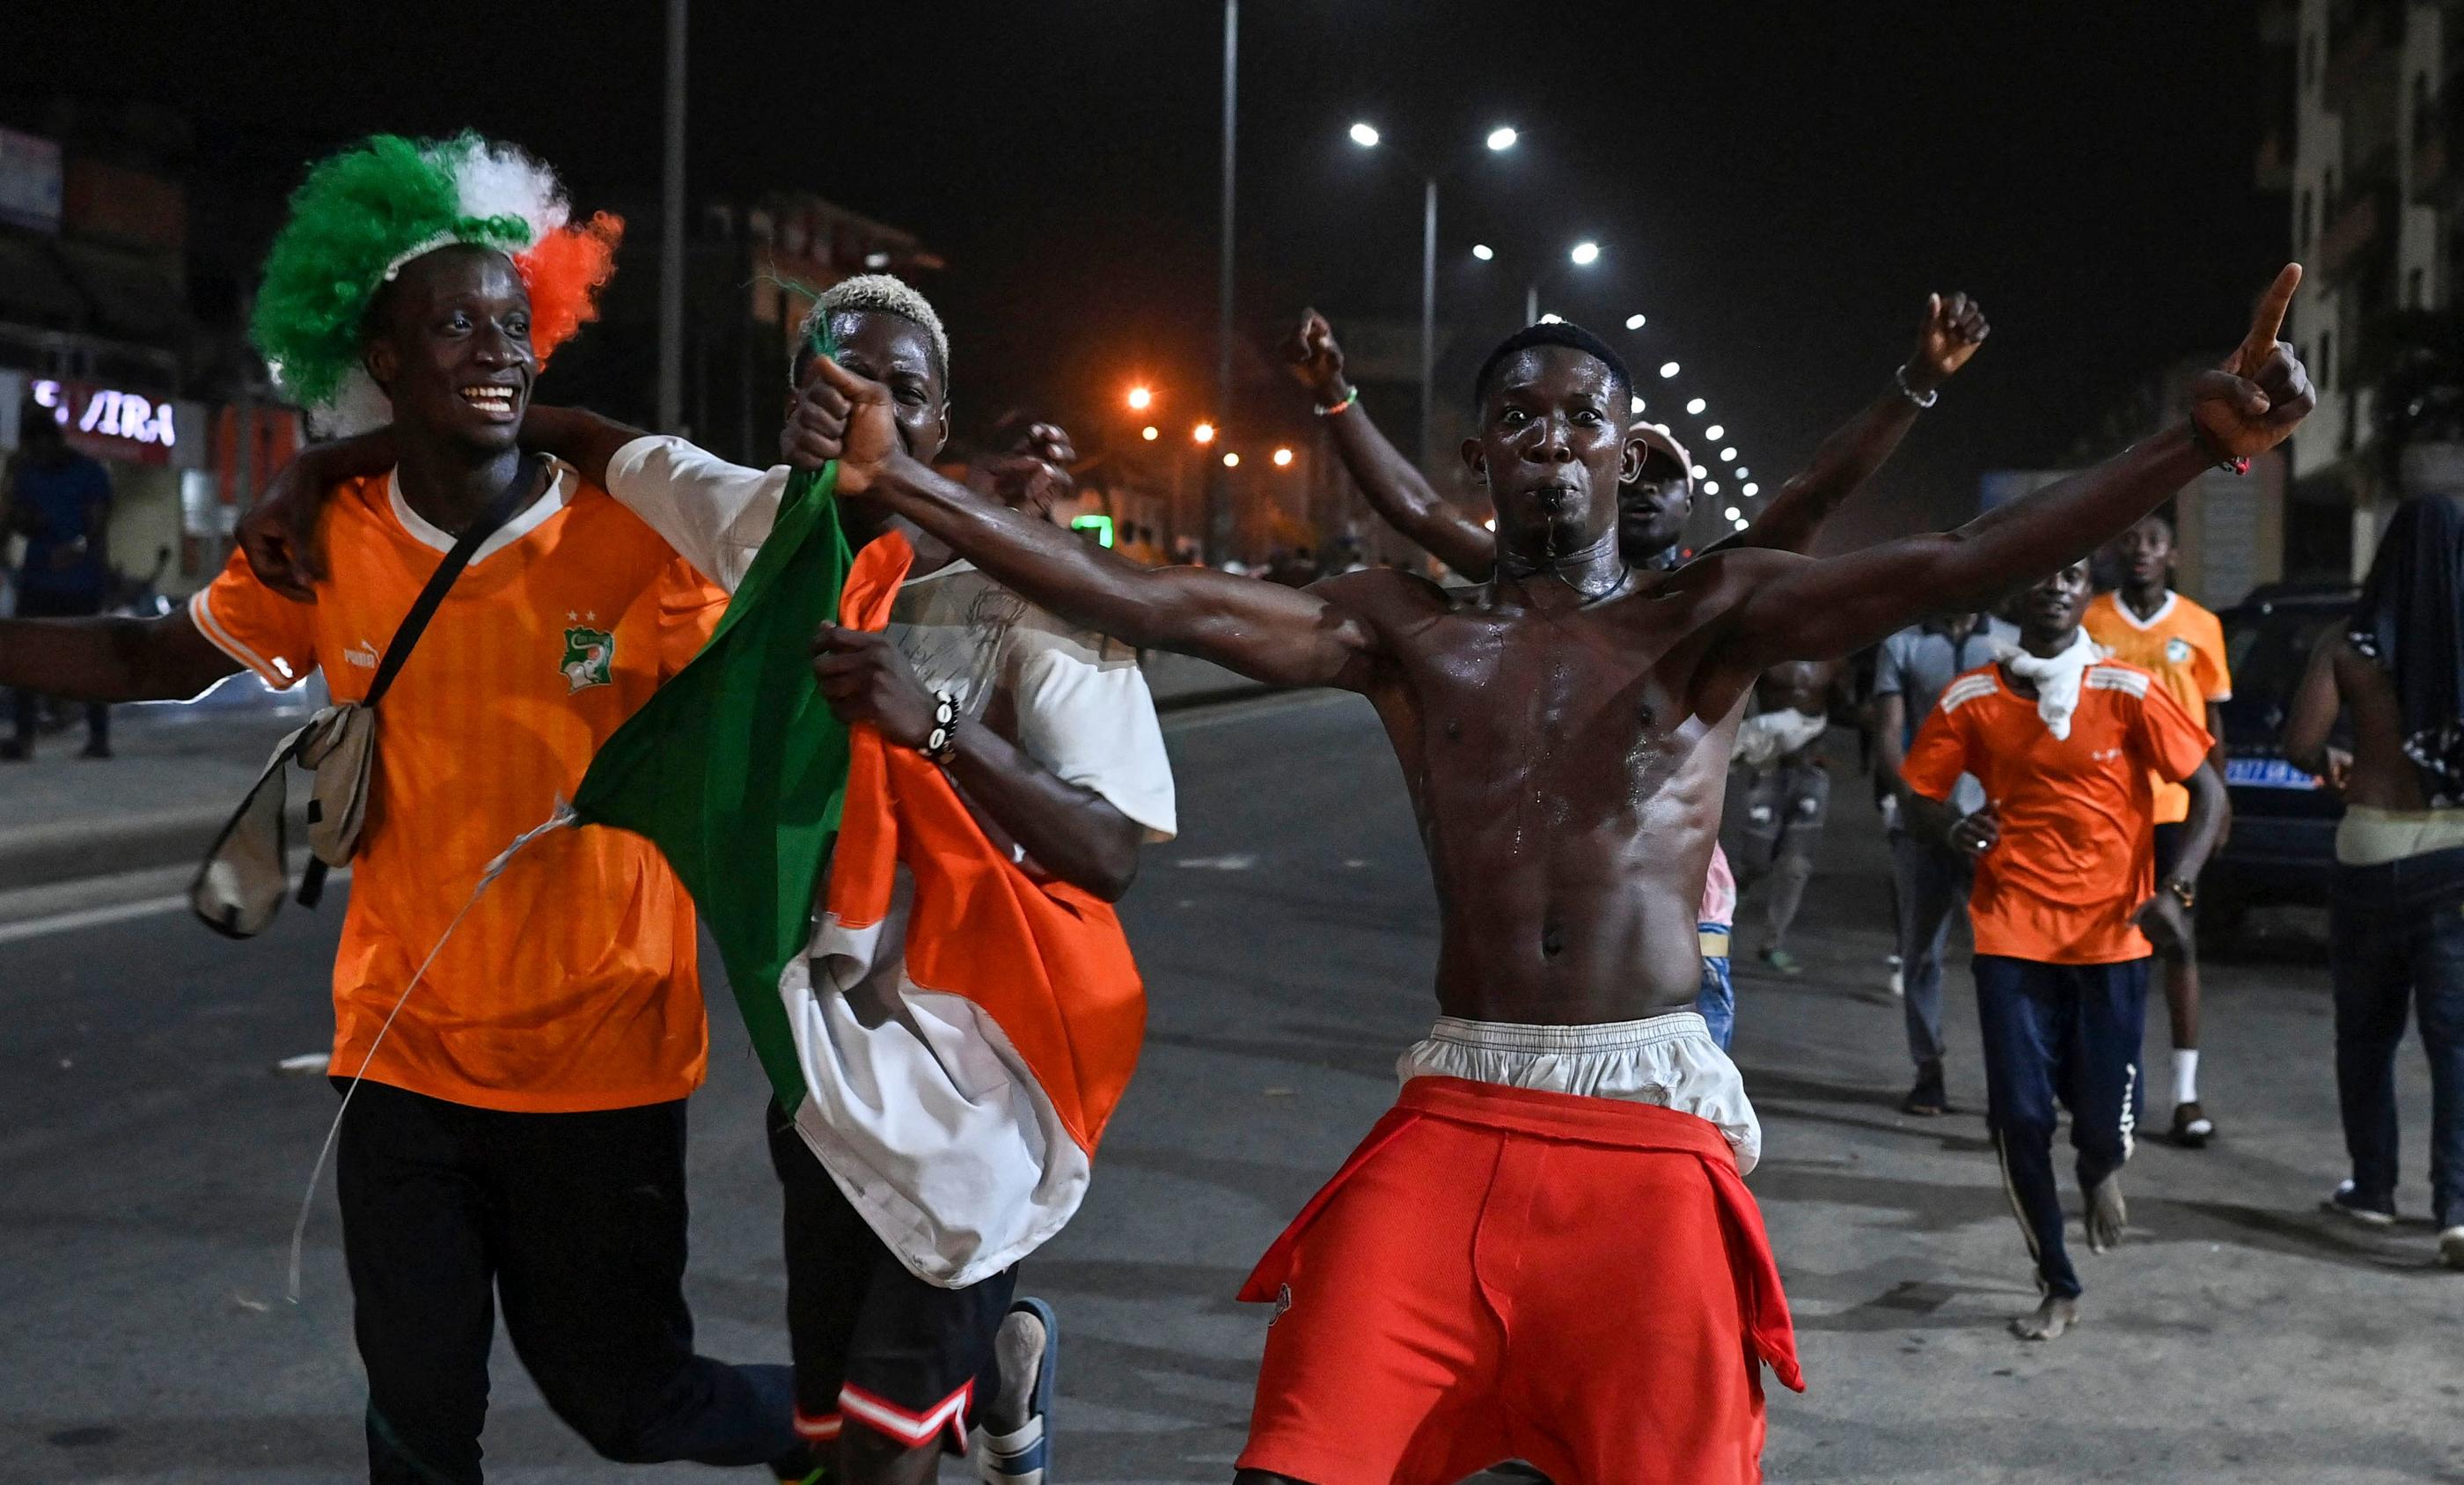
point(518, 1131)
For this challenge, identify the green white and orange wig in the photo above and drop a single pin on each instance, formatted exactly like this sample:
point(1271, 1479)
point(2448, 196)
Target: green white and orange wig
point(364, 212)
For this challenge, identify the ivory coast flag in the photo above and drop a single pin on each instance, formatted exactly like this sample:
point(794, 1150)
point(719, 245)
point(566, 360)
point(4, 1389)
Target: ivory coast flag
point(956, 1088)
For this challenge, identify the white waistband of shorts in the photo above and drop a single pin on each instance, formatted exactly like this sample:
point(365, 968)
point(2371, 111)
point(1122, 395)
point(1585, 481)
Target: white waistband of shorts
point(1592, 1036)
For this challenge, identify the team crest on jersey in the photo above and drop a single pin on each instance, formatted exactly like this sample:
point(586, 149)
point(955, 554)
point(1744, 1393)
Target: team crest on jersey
point(2177, 650)
point(590, 658)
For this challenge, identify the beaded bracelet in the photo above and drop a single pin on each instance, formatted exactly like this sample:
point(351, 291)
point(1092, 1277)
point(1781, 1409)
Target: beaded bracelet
point(1333, 409)
point(941, 745)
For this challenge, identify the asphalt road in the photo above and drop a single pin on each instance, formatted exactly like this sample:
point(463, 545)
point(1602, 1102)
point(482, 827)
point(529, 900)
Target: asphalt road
point(151, 1161)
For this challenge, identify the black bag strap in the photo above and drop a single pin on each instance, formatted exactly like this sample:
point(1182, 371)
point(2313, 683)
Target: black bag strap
point(312, 880)
point(464, 546)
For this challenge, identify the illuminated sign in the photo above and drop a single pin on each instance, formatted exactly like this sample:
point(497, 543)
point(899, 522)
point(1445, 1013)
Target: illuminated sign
point(105, 413)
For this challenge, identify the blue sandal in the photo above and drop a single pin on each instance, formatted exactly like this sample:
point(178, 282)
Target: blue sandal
point(1028, 1461)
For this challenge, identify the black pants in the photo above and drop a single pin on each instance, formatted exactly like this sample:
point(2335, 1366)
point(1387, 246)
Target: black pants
point(2396, 940)
point(577, 1222)
point(2067, 1035)
point(54, 606)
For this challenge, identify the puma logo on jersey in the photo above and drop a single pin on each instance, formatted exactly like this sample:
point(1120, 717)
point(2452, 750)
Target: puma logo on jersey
point(362, 655)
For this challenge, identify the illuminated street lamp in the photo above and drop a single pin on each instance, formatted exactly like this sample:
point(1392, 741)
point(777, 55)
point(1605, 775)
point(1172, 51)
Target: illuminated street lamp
point(1500, 138)
point(1204, 433)
point(1150, 433)
point(1585, 253)
point(1231, 461)
point(1483, 252)
point(1140, 398)
point(1282, 458)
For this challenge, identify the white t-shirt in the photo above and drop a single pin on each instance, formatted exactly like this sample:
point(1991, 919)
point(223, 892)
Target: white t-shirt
point(917, 1104)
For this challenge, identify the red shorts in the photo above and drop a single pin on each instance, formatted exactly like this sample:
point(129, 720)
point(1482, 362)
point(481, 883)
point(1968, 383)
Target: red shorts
point(1502, 1273)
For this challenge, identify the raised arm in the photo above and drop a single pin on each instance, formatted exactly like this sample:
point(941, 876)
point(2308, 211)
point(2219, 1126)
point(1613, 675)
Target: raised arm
point(1795, 608)
point(1281, 635)
point(1950, 333)
point(1393, 487)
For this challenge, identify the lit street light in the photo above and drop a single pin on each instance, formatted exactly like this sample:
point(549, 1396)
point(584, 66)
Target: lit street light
point(1150, 433)
point(1483, 252)
point(1204, 433)
point(1585, 253)
point(1668, 368)
point(1695, 406)
point(1500, 140)
point(1633, 322)
point(1282, 458)
point(1139, 398)
point(1231, 461)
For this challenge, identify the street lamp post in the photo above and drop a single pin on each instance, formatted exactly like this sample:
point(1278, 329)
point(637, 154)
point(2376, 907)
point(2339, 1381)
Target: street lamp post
point(1218, 494)
point(1499, 140)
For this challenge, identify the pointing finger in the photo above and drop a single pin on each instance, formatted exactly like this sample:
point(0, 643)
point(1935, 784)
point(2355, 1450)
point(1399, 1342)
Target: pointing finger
point(2268, 321)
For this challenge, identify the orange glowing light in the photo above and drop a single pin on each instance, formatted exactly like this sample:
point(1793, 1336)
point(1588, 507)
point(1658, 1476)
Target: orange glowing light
point(1141, 398)
point(1204, 433)
point(1282, 458)
point(1150, 433)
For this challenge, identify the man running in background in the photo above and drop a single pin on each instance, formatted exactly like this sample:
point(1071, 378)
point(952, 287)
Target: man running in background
point(2396, 923)
point(519, 1135)
point(2148, 625)
point(1564, 731)
point(1653, 508)
point(1931, 877)
point(2063, 741)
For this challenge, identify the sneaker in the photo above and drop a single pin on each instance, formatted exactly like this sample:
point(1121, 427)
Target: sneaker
point(2451, 1247)
point(2192, 1129)
point(2347, 1201)
point(1783, 961)
point(1898, 982)
point(1927, 1100)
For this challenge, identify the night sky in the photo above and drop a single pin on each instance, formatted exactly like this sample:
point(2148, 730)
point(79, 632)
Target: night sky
point(1775, 185)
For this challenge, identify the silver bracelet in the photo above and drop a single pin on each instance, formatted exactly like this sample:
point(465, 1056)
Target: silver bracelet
point(1925, 400)
point(941, 743)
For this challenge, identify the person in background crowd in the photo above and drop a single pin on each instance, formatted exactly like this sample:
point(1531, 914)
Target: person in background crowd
point(2065, 902)
point(59, 500)
point(1929, 877)
point(2396, 935)
point(1779, 791)
point(2147, 624)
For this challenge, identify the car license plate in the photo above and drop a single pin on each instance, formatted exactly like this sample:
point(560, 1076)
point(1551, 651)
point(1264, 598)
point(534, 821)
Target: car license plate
point(2267, 773)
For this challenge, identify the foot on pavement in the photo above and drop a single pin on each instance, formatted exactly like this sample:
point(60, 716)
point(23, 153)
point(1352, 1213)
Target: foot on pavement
point(1929, 1098)
point(2192, 1129)
point(2346, 1201)
point(2050, 1319)
point(1783, 961)
point(1016, 1440)
point(2106, 1214)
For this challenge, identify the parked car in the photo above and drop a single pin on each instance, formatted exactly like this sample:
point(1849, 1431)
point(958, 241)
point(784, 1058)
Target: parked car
point(2283, 843)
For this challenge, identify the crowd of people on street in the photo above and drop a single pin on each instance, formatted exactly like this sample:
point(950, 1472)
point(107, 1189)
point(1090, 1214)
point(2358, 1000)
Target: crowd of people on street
point(1606, 738)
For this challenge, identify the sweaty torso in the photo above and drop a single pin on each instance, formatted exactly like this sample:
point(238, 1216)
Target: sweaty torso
point(1798, 685)
point(2382, 775)
point(1565, 761)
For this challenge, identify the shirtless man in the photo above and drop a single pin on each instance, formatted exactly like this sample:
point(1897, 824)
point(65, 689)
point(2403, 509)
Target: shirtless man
point(1564, 731)
point(2394, 937)
point(1653, 508)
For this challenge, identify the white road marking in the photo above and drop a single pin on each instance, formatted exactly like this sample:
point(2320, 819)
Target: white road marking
point(89, 918)
point(1231, 863)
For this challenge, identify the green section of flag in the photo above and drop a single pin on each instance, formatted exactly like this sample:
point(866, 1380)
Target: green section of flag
point(736, 769)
